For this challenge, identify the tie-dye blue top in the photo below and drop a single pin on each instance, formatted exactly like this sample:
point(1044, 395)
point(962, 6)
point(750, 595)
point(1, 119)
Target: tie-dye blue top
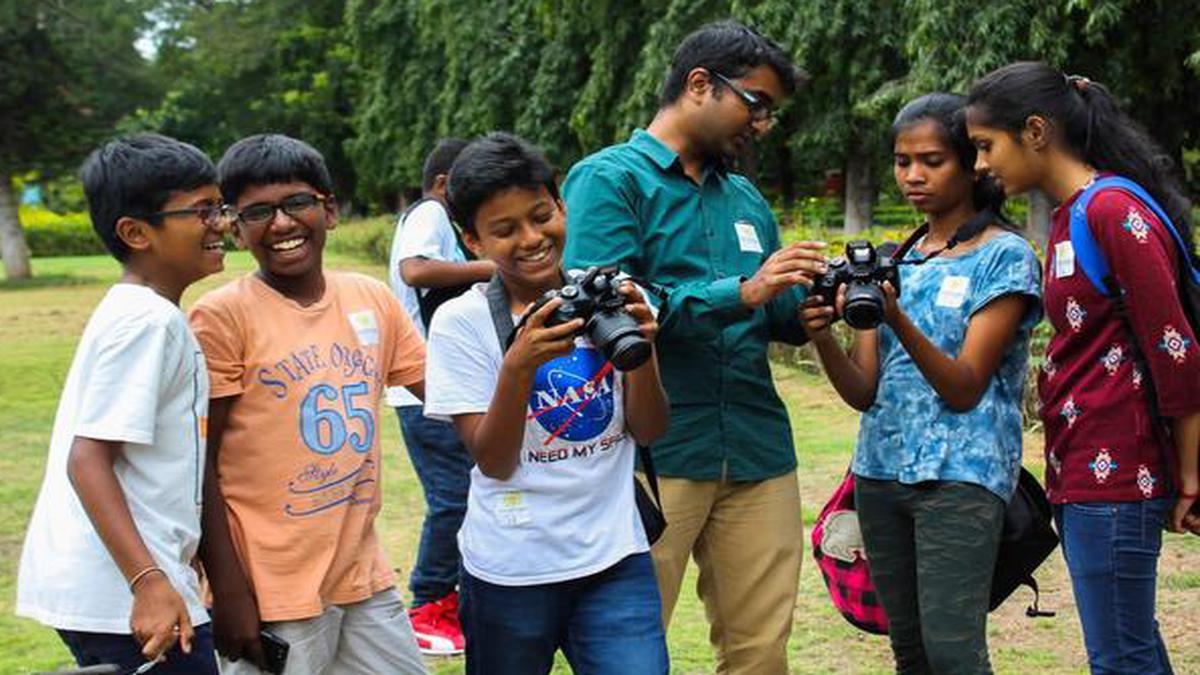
point(910, 434)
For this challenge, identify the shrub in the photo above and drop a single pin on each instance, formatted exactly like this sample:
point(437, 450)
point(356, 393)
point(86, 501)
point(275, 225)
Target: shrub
point(54, 234)
point(365, 238)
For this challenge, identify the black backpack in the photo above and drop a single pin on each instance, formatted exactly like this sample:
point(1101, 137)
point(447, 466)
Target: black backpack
point(429, 299)
point(1028, 538)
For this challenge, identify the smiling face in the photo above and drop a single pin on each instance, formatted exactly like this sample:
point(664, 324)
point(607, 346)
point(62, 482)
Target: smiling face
point(928, 171)
point(181, 248)
point(287, 245)
point(522, 230)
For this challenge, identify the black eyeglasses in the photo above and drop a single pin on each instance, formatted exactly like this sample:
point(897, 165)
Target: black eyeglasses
point(210, 214)
point(257, 215)
point(760, 110)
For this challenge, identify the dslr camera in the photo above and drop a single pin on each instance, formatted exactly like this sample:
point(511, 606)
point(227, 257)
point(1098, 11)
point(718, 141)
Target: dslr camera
point(862, 271)
point(592, 295)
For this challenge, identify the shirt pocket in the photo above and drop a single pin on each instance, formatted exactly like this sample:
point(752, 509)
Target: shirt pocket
point(745, 246)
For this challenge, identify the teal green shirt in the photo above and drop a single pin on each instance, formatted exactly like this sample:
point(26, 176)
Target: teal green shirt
point(632, 205)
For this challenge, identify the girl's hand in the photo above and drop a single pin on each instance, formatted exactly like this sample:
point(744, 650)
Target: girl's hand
point(536, 344)
point(891, 307)
point(635, 304)
point(817, 318)
point(1181, 518)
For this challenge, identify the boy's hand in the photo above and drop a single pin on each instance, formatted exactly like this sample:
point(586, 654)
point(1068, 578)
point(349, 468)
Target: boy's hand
point(236, 628)
point(536, 344)
point(635, 304)
point(159, 617)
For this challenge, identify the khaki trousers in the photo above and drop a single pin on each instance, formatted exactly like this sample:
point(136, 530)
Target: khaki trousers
point(747, 540)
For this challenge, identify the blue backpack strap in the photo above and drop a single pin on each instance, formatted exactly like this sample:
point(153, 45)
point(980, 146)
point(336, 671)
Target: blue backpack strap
point(1088, 253)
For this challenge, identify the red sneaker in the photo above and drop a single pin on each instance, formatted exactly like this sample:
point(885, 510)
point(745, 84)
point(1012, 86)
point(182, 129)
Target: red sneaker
point(436, 627)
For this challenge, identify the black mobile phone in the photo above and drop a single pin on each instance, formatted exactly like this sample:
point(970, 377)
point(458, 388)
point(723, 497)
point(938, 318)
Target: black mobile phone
point(275, 649)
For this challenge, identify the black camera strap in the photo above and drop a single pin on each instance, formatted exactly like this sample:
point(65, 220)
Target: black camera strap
point(965, 232)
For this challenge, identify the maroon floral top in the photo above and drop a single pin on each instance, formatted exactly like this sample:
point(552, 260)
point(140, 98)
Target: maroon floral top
point(1103, 441)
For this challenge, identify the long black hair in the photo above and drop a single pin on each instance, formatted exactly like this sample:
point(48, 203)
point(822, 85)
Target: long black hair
point(1093, 128)
point(948, 113)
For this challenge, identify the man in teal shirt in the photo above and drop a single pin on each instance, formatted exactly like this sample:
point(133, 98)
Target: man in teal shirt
point(665, 207)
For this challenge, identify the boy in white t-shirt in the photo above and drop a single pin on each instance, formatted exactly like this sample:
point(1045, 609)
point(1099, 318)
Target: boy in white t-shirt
point(108, 553)
point(554, 553)
point(428, 265)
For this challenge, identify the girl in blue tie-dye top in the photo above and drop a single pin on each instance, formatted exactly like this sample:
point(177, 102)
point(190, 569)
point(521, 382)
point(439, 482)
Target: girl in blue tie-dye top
point(939, 385)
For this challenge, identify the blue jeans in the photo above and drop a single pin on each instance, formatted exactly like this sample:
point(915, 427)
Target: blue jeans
point(443, 466)
point(608, 623)
point(93, 649)
point(1112, 555)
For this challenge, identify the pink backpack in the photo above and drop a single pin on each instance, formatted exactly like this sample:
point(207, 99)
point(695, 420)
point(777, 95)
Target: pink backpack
point(837, 547)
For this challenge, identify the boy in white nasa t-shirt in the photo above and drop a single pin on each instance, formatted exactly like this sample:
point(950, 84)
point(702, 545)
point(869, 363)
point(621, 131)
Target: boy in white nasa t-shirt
point(108, 553)
point(554, 552)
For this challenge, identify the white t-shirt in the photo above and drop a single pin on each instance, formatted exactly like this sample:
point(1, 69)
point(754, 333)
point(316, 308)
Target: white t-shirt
point(568, 510)
point(426, 232)
point(138, 377)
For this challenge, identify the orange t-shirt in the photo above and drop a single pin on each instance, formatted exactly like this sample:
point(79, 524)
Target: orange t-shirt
point(299, 460)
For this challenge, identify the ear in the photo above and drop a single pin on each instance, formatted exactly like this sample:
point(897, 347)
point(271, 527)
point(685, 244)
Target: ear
point(439, 185)
point(331, 212)
point(473, 243)
point(1037, 132)
point(698, 82)
point(134, 233)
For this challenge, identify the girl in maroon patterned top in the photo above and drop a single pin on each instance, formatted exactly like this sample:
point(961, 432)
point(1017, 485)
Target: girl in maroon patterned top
point(1120, 404)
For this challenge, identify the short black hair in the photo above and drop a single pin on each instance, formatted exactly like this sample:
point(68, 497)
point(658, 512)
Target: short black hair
point(439, 160)
point(263, 159)
point(731, 49)
point(490, 165)
point(135, 176)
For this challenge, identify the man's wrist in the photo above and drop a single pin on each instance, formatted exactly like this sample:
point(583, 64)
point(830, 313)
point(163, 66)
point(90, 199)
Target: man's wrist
point(750, 291)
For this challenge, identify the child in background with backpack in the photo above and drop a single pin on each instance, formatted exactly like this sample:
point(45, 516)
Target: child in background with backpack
point(554, 553)
point(1119, 394)
point(939, 386)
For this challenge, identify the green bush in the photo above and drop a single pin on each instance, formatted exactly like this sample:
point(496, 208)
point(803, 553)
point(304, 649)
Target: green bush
point(366, 238)
point(53, 234)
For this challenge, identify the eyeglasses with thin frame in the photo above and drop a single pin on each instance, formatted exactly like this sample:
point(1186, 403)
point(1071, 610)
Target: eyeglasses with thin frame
point(257, 215)
point(759, 109)
point(210, 214)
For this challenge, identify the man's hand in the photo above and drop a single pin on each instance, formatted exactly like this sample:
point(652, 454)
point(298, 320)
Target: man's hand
point(159, 617)
point(794, 264)
point(536, 344)
point(236, 628)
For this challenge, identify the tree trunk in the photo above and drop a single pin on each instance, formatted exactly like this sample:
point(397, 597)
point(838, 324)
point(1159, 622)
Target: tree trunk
point(860, 188)
point(1037, 225)
point(12, 238)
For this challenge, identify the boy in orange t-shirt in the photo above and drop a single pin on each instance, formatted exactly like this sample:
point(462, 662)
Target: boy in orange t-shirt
point(298, 358)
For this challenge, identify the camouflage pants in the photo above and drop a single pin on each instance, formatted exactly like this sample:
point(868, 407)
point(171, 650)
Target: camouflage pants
point(932, 547)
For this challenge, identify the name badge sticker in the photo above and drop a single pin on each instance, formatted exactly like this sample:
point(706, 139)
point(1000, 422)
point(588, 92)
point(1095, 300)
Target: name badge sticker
point(953, 292)
point(1064, 259)
point(365, 326)
point(511, 509)
point(747, 237)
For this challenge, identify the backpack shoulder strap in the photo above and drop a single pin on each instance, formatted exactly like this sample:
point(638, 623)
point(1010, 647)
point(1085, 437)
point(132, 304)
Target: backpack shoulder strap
point(1088, 253)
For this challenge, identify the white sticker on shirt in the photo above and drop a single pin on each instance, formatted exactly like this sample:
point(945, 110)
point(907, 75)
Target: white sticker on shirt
point(953, 291)
point(365, 326)
point(1064, 259)
point(747, 237)
point(511, 509)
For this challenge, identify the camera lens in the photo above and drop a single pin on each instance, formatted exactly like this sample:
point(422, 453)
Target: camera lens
point(864, 305)
point(617, 336)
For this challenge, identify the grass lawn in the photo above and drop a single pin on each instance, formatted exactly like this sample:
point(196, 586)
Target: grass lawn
point(40, 323)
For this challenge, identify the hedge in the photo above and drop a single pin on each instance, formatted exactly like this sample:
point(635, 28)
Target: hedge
point(53, 234)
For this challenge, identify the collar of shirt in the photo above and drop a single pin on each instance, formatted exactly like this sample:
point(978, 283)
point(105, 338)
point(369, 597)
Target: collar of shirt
point(665, 158)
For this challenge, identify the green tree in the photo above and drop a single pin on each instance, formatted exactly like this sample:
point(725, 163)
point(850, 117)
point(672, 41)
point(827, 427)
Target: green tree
point(70, 71)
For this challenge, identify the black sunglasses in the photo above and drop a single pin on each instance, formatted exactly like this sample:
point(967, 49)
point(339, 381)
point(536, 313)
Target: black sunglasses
point(210, 214)
point(296, 205)
point(759, 109)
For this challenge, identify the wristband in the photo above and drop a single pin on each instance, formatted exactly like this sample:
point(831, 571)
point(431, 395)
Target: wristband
point(1188, 495)
point(140, 575)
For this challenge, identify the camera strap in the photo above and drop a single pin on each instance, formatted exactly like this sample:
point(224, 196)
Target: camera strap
point(965, 232)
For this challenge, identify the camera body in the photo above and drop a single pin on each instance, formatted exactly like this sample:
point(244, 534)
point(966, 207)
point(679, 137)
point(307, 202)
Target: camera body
point(862, 271)
point(592, 295)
